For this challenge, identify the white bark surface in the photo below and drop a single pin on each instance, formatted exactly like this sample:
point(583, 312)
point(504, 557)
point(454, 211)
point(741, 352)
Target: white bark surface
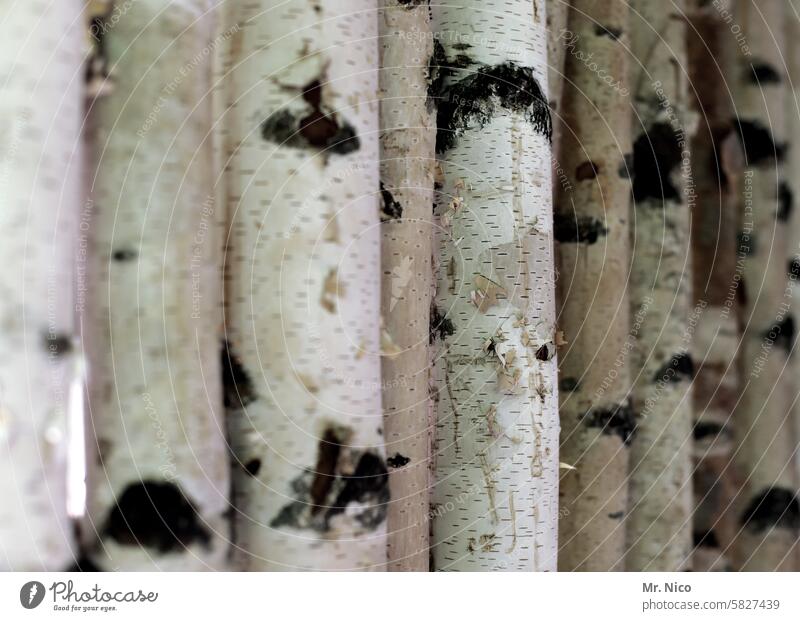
point(766, 506)
point(408, 135)
point(303, 304)
point(158, 466)
point(496, 454)
point(40, 109)
point(660, 496)
point(593, 254)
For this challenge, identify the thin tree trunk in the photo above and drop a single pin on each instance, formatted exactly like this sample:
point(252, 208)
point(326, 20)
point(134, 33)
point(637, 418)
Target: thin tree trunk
point(408, 133)
point(302, 308)
point(659, 521)
point(495, 497)
point(716, 169)
point(40, 65)
point(591, 228)
point(158, 470)
point(767, 506)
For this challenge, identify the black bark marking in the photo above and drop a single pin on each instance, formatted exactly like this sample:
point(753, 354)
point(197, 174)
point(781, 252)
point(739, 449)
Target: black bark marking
point(156, 515)
point(318, 129)
point(57, 345)
point(677, 368)
point(325, 492)
point(124, 254)
point(568, 384)
point(325, 471)
point(410, 4)
point(237, 389)
point(616, 420)
point(794, 267)
point(706, 429)
point(83, 564)
point(391, 208)
point(705, 539)
point(763, 73)
point(758, 143)
point(782, 334)
point(440, 327)
point(625, 170)
point(587, 170)
point(774, 507)
point(437, 72)
point(745, 243)
point(398, 461)
point(785, 202)
point(252, 467)
point(656, 154)
point(608, 31)
point(577, 229)
point(546, 352)
point(617, 515)
point(472, 101)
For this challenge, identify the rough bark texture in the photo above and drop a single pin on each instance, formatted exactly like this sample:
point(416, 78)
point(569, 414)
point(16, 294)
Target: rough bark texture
point(40, 72)
point(716, 168)
point(766, 507)
point(158, 471)
point(592, 249)
point(496, 453)
point(659, 521)
point(408, 134)
point(302, 307)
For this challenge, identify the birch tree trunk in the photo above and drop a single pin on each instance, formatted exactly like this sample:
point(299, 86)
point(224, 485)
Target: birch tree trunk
point(302, 308)
point(408, 134)
point(40, 71)
point(659, 521)
point(592, 235)
point(158, 472)
point(767, 505)
point(557, 35)
point(495, 497)
point(716, 169)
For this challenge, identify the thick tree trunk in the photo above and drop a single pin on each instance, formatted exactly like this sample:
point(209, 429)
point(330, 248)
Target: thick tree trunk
point(408, 133)
point(767, 506)
point(496, 455)
point(557, 35)
point(158, 470)
point(43, 46)
point(302, 307)
point(659, 521)
point(592, 235)
point(716, 169)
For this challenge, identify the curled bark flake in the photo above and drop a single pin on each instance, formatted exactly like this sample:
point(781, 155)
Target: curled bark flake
point(156, 515)
point(472, 101)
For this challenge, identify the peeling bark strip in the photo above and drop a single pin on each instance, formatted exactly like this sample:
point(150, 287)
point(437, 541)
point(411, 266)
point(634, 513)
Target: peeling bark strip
point(496, 437)
point(303, 284)
point(764, 444)
point(592, 230)
point(471, 102)
point(408, 136)
point(153, 327)
point(659, 534)
point(40, 199)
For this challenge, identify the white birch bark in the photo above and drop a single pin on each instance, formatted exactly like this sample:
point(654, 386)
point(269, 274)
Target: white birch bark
point(766, 506)
point(557, 11)
point(592, 249)
point(408, 134)
point(302, 307)
point(496, 454)
point(716, 169)
point(43, 45)
point(158, 468)
point(660, 495)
